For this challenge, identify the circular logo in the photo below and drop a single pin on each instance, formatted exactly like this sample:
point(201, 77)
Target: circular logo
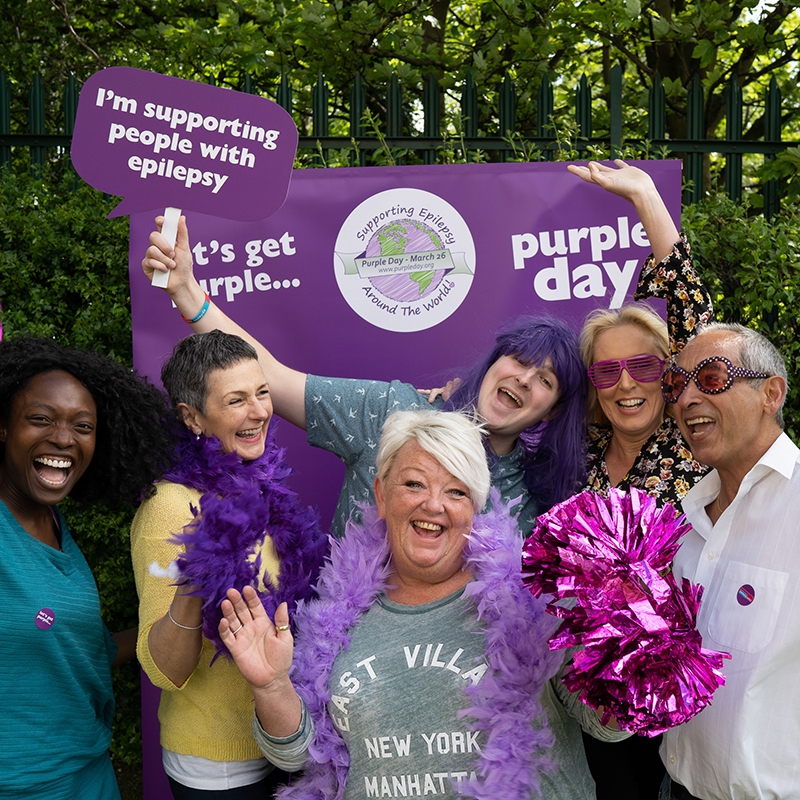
point(45, 618)
point(404, 260)
point(745, 595)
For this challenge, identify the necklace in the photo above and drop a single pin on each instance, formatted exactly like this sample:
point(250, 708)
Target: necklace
point(242, 503)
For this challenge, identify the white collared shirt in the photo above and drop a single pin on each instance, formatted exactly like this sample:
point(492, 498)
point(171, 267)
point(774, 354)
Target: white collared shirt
point(746, 744)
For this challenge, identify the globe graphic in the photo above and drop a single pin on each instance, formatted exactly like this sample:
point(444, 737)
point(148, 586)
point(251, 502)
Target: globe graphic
point(396, 238)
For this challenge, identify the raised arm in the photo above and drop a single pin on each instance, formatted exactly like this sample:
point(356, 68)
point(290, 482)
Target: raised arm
point(263, 653)
point(286, 385)
point(637, 187)
point(669, 273)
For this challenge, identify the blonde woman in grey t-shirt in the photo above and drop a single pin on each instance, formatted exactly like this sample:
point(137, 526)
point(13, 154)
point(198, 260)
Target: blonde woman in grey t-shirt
point(423, 667)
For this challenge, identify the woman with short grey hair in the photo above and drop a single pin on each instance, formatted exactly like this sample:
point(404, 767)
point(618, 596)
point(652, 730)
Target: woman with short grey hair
point(423, 666)
point(221, 514)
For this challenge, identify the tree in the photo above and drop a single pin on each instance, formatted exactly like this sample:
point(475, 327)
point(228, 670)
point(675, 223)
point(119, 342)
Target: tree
point(62, 265)
point(227, 40)
point(715, 41)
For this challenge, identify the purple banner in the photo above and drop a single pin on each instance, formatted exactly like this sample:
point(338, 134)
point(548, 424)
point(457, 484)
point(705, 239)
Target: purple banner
point(162, 141)
point(402, 272)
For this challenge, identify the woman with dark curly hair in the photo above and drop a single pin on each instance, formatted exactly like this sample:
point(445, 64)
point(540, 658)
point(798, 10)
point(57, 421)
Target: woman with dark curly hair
point(73, 423)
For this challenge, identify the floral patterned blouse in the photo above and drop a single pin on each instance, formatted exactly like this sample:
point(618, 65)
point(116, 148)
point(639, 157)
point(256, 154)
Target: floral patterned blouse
point(664, 468)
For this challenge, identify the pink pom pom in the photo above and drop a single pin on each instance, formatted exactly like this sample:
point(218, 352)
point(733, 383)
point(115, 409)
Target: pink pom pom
point(643, 660)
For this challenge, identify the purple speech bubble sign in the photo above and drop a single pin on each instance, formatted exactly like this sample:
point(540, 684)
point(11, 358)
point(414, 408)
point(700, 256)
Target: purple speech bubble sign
point(165, 142)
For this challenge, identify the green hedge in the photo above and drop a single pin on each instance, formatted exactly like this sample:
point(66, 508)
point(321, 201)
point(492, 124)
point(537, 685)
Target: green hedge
point(752, 268)
point(63, 273)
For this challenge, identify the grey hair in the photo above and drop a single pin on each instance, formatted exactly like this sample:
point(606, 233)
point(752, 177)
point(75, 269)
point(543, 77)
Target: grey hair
point(452, 438)
point(756, 353)
point(185, 373)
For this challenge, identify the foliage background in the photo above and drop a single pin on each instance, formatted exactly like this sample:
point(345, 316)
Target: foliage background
point(227, 41)
point(224, 40)
point(63, 266)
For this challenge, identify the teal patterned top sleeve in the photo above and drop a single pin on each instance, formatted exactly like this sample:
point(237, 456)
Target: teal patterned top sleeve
point(676, 280)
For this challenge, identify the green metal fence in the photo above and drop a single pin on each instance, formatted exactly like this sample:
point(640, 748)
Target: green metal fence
point(429, 142)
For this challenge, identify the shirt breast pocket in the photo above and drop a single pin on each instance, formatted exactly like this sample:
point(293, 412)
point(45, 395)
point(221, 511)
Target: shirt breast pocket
point(747, 607)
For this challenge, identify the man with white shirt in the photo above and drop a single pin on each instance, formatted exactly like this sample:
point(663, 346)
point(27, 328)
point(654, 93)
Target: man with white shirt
point(727, 389)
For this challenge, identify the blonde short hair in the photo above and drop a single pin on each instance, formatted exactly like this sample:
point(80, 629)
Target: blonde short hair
point(451, 437)
point(641, 316)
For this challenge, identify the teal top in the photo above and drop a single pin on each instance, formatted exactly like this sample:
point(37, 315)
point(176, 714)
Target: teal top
point(55, 672)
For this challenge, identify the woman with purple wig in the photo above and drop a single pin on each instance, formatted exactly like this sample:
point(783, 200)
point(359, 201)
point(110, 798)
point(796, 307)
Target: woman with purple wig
point(549, 450)
point(529, 391)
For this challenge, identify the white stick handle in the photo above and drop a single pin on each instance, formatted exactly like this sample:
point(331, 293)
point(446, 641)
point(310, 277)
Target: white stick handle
point(170, 231)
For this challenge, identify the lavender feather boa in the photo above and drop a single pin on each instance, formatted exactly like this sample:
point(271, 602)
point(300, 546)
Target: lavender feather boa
point(504, 703)
point(242, 503)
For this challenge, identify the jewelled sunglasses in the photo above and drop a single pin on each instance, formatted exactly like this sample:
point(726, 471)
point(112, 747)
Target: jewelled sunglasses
point(646, 369)
point(712, 375)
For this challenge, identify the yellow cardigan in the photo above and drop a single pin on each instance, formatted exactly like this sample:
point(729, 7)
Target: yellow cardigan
point(211, 714)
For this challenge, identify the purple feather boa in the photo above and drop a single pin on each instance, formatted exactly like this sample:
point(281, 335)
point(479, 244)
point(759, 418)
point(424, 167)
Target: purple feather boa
point(504, 704)
point(242, 503)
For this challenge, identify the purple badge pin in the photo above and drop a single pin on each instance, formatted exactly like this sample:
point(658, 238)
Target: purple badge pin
point(745, 595)
point(45, 618)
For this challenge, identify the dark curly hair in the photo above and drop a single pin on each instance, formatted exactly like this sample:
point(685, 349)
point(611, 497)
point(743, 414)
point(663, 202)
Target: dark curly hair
point(132, 442)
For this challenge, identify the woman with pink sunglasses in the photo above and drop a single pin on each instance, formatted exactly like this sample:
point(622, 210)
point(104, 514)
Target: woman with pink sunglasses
point(632, 439)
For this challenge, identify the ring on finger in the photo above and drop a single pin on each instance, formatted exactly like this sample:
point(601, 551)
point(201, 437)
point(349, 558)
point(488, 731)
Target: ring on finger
point(281, 627)
point(238, 629)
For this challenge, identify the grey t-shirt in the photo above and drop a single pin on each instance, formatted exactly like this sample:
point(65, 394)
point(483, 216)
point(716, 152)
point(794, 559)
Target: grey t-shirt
point(396, 694)
point(395, 697)
point(345, 416)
